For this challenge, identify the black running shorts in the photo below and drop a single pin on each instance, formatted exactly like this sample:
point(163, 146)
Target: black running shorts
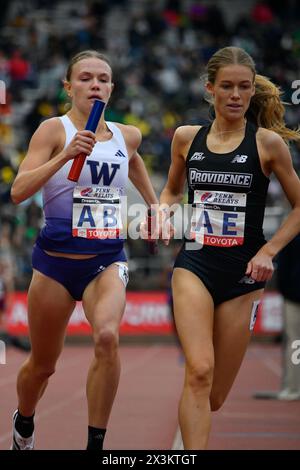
point(222, 272)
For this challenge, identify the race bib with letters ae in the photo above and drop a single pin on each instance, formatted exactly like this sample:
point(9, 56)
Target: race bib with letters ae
point(218, 218)
point(96, 212)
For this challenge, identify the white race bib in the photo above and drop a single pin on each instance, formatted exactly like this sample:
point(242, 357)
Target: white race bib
point(96, 212)
point(218, 218)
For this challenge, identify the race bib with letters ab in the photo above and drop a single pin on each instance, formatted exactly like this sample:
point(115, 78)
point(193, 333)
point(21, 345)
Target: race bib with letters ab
point(96, 212)
point(218, 218)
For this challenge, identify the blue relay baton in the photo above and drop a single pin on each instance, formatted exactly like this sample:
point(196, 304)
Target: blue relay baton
point(91, 125)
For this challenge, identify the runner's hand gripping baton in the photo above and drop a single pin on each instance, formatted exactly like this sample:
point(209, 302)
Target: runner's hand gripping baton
point(91, 125)
point(151, 223)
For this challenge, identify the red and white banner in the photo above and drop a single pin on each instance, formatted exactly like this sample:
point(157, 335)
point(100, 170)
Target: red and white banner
point(145, 313)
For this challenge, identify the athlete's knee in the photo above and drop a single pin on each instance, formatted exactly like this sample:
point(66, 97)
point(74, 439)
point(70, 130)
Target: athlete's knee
point(42, 371)
point(200, 375)
point(106, 340)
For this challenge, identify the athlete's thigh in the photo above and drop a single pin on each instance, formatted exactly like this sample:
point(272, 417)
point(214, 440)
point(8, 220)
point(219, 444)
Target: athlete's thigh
point(231, 337)
point(194, 315)
point(104, 298)
point(49, 309)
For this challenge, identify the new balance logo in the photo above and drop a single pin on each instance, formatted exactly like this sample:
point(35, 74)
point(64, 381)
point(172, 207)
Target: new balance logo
point(247, 280)
point(197, 156)
point(239, 159)
point(119, 153)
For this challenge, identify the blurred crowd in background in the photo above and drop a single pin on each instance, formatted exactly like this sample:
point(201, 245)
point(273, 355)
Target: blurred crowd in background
point(158, 50)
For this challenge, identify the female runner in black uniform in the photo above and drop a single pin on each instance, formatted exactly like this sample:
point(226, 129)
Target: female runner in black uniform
point(222, 269)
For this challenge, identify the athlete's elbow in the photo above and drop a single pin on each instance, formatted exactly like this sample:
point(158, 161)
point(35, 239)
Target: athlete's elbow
point(14, 199)
point(15, 195)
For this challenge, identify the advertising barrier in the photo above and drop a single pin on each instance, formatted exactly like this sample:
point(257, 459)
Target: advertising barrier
point(145, 313)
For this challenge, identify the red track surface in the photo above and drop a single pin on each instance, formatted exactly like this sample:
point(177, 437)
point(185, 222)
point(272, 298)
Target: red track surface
point(145, 411)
